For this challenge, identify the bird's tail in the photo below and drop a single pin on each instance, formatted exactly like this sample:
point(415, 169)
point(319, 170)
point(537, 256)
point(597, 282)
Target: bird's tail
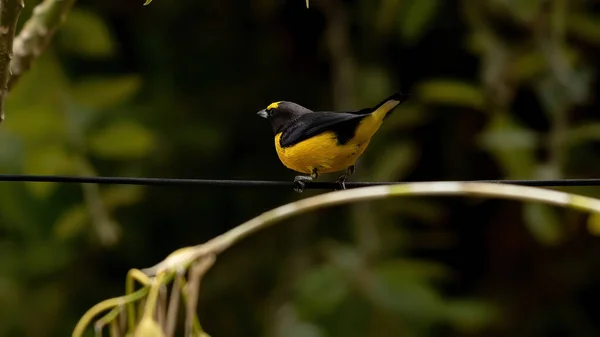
point(385, 108)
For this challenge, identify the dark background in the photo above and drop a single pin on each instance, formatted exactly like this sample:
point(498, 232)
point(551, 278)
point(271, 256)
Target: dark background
point(500, 90)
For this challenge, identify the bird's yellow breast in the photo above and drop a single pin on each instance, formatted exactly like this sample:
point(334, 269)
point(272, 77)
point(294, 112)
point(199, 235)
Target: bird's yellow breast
point(323, 151)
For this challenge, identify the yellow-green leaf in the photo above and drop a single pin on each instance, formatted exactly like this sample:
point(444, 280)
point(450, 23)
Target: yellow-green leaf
point(451, 92)
point(85, 33)
point(72, 222)
point(321, 290)
point(102, 92)
point(395, 162)
point(512, 146)
point(542, 222)
point(584, 26)
point(122, 140)
point(121, 195)
point(37, 123)
point(47, 160)
point(470, 315)
point(593, 224)
point(417, 14)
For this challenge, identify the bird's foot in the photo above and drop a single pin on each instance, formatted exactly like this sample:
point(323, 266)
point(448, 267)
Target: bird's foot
point(300, 183)
point(341, 181)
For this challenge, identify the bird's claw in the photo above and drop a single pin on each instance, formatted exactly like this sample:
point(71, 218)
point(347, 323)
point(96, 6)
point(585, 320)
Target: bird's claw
point(300, 183)
point(299, 186)
point(341, 182)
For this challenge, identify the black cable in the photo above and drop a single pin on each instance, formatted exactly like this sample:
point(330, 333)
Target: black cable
point(261, 183)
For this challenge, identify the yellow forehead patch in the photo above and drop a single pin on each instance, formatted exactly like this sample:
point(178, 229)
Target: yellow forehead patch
point(273, 105)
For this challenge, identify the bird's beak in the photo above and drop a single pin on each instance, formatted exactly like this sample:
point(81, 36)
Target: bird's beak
point(263, 113)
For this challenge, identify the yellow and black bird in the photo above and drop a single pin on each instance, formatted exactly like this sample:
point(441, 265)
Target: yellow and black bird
point(314, 142)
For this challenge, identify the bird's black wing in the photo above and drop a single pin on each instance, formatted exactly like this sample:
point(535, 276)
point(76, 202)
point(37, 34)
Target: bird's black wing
point(343, 124)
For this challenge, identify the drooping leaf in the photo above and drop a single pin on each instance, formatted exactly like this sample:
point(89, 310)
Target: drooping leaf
point(11, 151)
point(417, 14)
point(33, 88)
point(321, 291)
point(72, 222)
point(51, 159)
point(593, 224)
point(523, 10)
point(122, 140)
point(85, 33)
point(512, 146)
point(37, 123)
point(410, 298)
point(121, 195)
point(543, 223)
point(102, 92)
point(470, 315)
point(582, 133)
point(395, 162)
point(287, 323)
point(45, 256)
point(374, 82)
point(451, 92)
point(400, 270)
point(585, 26)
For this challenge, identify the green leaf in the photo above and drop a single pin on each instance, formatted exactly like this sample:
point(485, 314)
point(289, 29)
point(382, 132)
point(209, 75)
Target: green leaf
point(85, 33)
point(401, 270)
point(122, 140)
point(287, 323)
point(512, 146)
point(451, 92)
point(49, 159)
point(373, 82)
point(11, 151)
point(395, 162)
point(72, 222)
point(409, 297)
point(585, 132)
point(593, 224)
point(524, 10)
point(102, 92)
point(470, 315)
point(33, 88)
point(542, 222)
point(584, 26)
point(37, 123)
point(417, 14)
point(121, 195)
point(321, 290)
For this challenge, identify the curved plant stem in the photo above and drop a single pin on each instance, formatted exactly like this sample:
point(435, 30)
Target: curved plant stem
point(105, 305)
point(184, 257)
point(202, 256)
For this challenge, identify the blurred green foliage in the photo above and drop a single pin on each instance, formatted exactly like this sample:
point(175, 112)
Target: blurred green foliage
point(500, 89)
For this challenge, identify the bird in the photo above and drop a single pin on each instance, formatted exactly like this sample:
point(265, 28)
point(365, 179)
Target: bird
point(316, 142)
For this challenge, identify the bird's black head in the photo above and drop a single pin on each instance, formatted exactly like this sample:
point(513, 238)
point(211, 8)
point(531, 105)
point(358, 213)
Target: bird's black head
point(281, 114)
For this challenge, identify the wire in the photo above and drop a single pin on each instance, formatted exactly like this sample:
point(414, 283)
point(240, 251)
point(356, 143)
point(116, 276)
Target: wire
point(259, 183)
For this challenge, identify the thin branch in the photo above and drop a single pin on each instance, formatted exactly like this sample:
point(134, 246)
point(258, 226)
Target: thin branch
point(196, 272)
point(173, 306)
point(9, 16)
point(36, 34)
point(105, 305)
point(184, 257)
point(202, 257)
